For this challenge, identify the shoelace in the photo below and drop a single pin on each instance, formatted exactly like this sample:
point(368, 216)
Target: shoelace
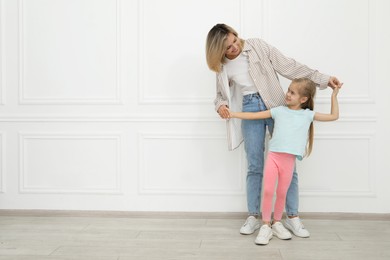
point(247, 222)
point(300, 225)
point(280, 228)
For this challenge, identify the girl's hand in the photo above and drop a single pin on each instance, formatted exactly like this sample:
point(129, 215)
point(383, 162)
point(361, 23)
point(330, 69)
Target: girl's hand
point(336, 90)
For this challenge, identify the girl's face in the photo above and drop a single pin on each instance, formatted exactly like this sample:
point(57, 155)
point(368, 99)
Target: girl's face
point(293, 99)
point(233, 46)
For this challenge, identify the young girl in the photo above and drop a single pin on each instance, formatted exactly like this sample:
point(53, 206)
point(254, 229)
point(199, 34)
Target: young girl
point(292, 138)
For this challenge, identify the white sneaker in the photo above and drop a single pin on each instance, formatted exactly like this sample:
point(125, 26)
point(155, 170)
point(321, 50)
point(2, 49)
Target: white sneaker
point(264, 236)
point(280, 231)
point(250, 226)
point(295, 225)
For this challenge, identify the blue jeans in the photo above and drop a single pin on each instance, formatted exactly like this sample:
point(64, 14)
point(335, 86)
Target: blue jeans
point(254, 136)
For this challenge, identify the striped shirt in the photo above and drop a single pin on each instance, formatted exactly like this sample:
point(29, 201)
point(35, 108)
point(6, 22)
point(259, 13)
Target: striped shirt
point(265, 61)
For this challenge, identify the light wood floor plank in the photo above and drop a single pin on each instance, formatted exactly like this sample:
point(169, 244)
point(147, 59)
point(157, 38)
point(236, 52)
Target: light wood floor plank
point(62, 236)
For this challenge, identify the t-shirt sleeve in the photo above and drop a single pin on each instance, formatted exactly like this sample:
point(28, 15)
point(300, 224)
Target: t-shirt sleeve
point(310, 114)
point(274, 112)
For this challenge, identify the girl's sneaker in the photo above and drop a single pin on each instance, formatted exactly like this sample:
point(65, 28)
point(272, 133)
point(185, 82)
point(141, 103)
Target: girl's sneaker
point(264, 236)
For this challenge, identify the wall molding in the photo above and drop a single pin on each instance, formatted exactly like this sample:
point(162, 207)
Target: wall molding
point(23, 100)
point(366, 98)
point(146, 118)
point(143, 97)
point(3, 150)
point(371, 191)
point(144, 190)
point(2, 57)
point(25, 136)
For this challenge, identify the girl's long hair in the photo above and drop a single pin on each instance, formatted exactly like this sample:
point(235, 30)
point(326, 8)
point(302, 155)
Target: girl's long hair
point(307, 88)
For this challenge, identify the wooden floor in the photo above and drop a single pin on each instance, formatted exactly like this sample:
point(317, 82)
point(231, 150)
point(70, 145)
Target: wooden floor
point(75, 236)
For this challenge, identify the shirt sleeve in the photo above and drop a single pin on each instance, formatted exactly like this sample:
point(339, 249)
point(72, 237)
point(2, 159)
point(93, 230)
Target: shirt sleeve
point(291, 69)
point(219, 99)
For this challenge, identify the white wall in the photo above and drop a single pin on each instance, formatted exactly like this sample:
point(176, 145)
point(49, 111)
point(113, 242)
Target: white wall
point(107, 104)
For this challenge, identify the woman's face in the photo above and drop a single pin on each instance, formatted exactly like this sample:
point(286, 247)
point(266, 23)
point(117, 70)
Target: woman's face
point(233, 46)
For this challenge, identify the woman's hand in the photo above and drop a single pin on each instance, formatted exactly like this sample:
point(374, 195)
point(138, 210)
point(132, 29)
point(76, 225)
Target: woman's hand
point(223, 112)
point(334, 82)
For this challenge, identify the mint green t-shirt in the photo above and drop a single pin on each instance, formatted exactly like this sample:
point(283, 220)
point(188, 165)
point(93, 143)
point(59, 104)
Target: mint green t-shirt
point(290, 130)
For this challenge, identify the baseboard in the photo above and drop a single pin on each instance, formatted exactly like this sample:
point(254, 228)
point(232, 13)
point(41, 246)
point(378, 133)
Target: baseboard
point(185, 215)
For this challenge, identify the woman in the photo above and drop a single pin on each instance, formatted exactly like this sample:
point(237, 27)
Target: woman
point(247, 81)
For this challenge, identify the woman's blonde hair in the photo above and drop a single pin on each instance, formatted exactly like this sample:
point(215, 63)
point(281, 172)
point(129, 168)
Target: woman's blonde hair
point(307, 88)
point(215, 45)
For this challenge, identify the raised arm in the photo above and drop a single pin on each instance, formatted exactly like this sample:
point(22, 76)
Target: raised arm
point(334, 110)
point(251, 115)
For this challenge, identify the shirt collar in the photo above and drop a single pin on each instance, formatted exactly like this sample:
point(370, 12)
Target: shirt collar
point(246, 47)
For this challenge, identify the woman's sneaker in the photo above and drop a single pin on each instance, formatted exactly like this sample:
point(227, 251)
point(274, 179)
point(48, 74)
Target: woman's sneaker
point(250, 226)
point(264, 236)
point(295, 225)
point(280, 231)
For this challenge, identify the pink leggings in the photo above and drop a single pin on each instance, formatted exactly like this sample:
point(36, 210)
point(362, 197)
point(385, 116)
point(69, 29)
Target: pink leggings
point(278, 167)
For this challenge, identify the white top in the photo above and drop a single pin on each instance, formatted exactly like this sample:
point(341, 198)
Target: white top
point(238, 71)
